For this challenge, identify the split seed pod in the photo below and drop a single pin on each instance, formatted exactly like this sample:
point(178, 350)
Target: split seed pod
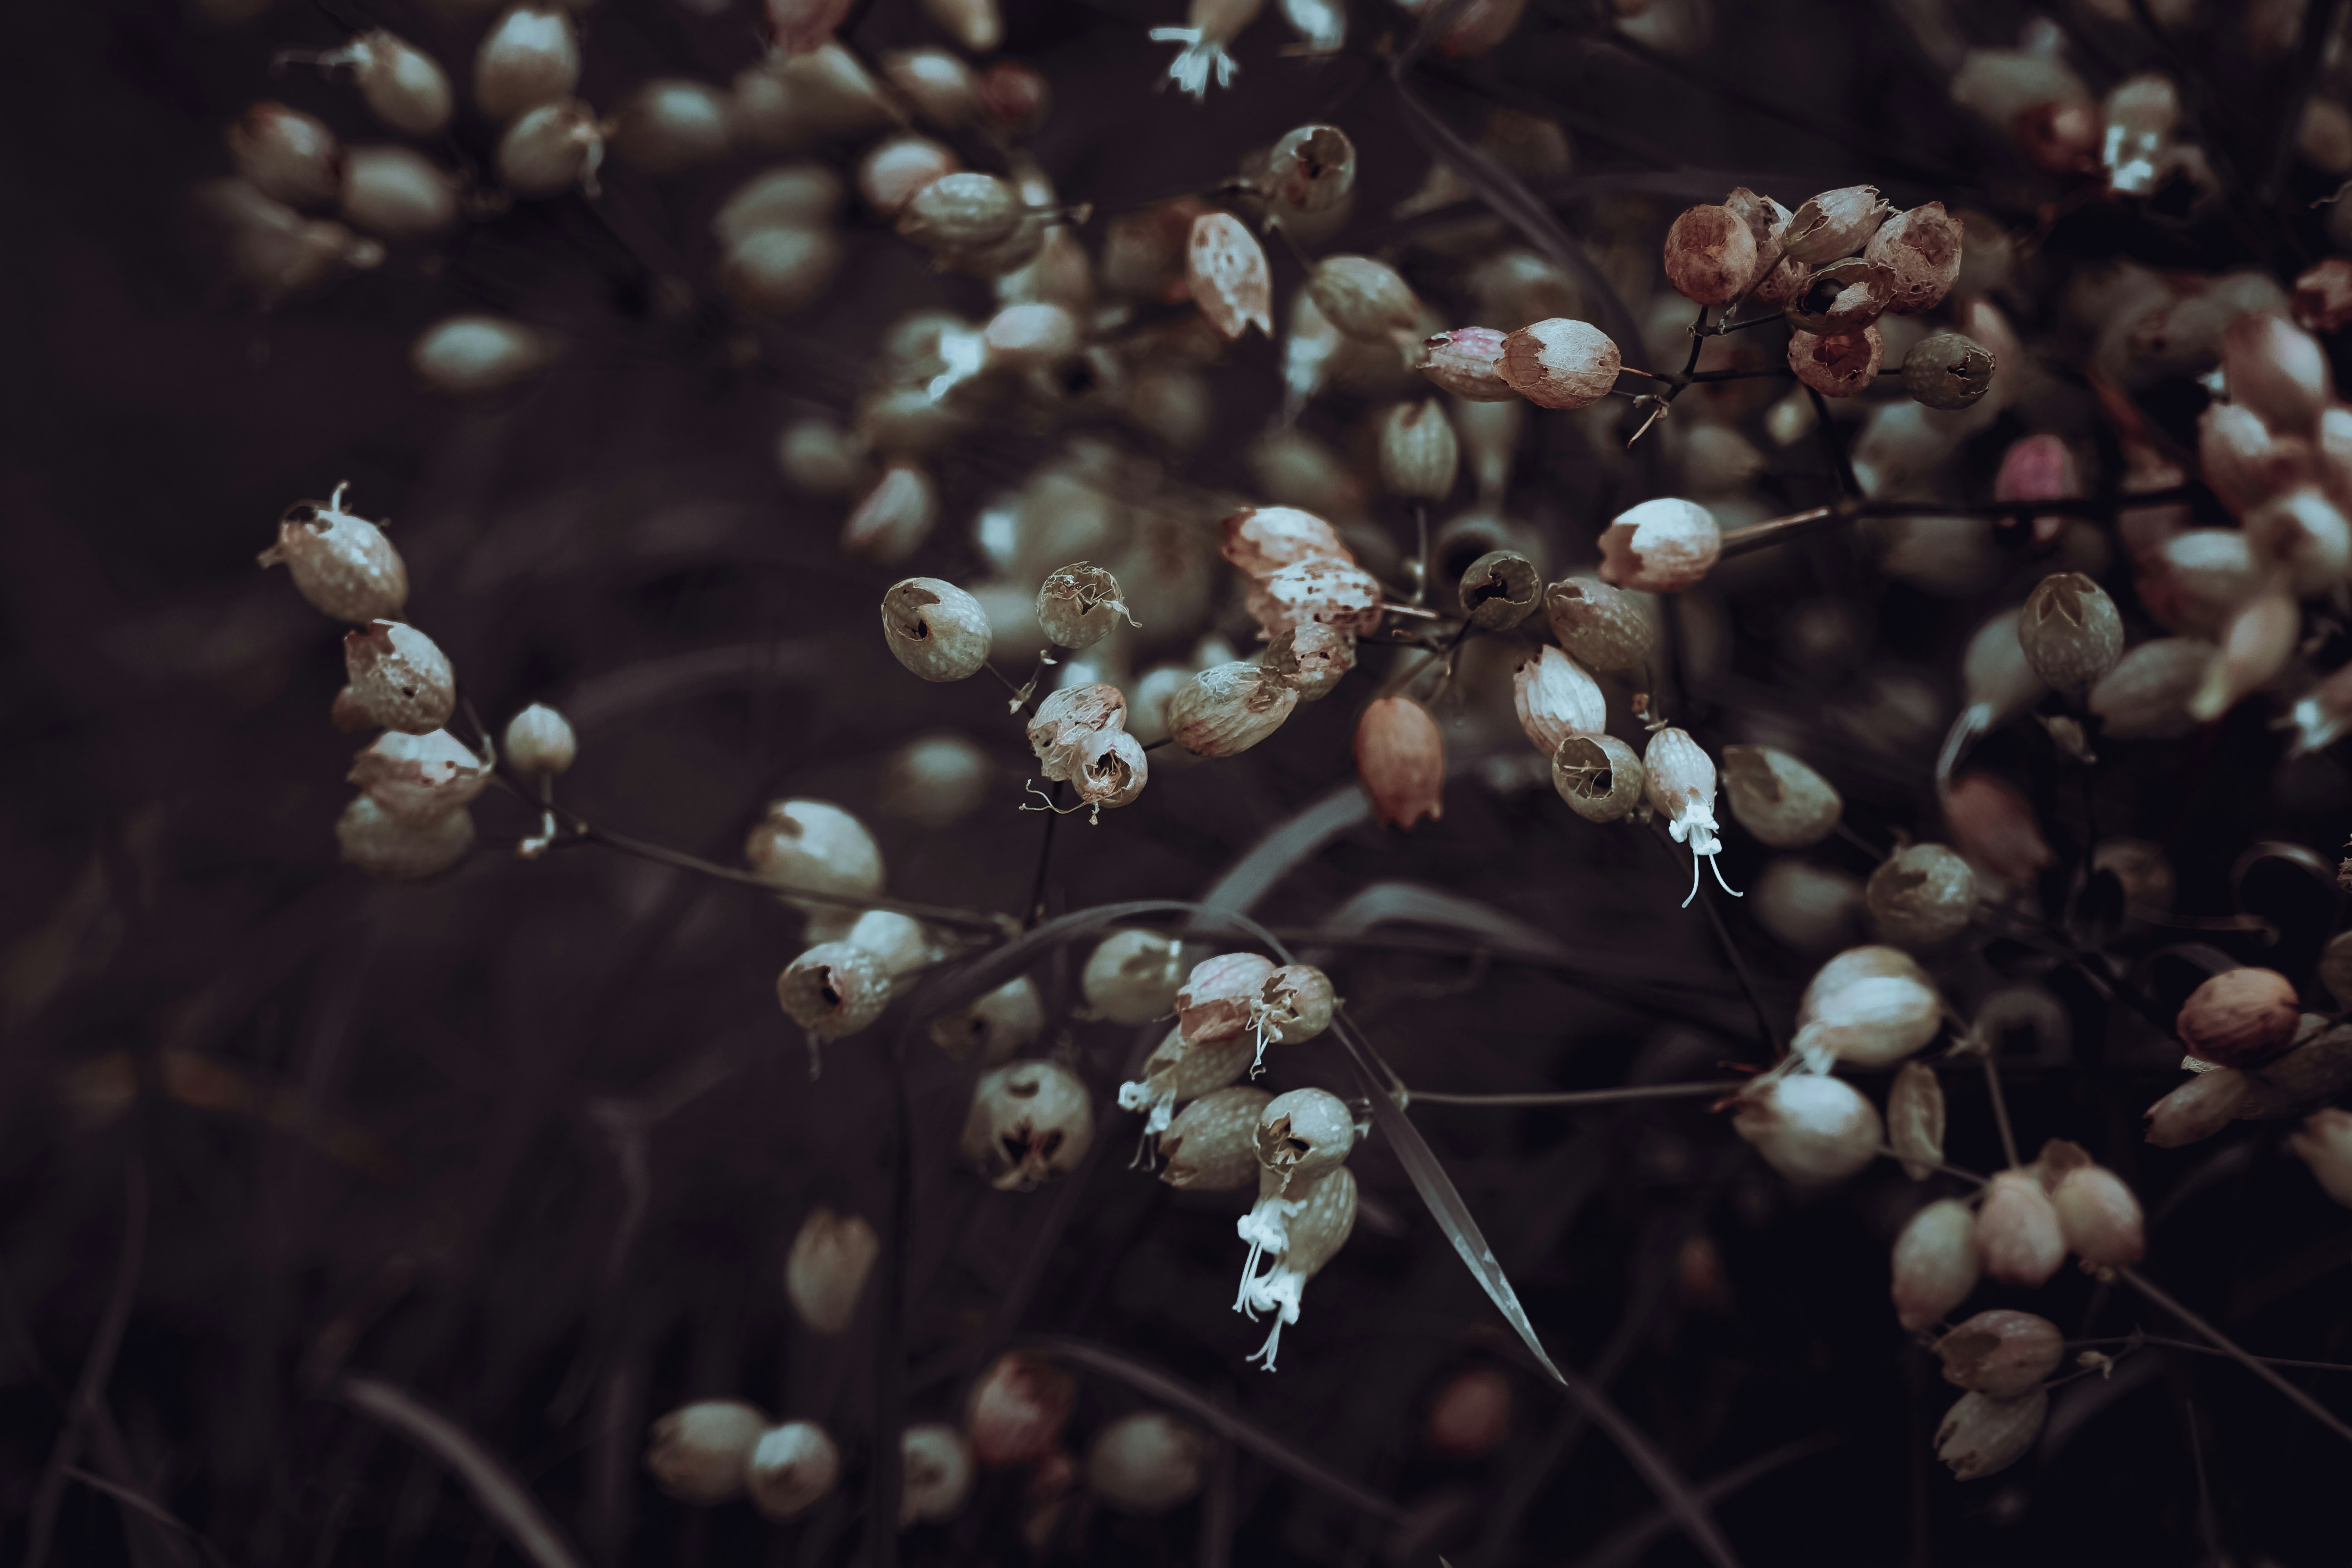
point(400, 680)
point(1556, 700)
point(1079, 606)
point(1074, 725)
point(2071, 631)
point(1560, 363)
point(1400, 758)
point(1499, 589)
point(2017, 1238)
point(1921, 248)
point(1309, 171)
point(2001, 1353)
point(792, 1468)
point(1810, 1127)
point(1325, 655)
point(833, 989)
point(1212, 1144)
point(935, 628)
point(699, 1450)
point(1834, 224)
point(1601, 627)
point(1133, 976)
point(1030, 1122)
point(1293, 1007)
point(1924, 894)
point(1778, 798)
point(340, 562)
point(1660, 546)
point(1837, 364)
point(1226, 272)
point(1915, 1121)
point(1936, 1265)
point(1981, 1435)
point(826, 1270)
point(1302, 1136)
point(1599, 776)
point(1468, 362)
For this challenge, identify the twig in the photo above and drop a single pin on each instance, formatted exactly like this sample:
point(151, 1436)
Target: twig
point(1034, 909)
point(97, 1367)
point(1999, 1108)
point(143, 1505)
point(501, 1496)
point(2194, 1347)
point(1583, 1096)
point(2252, 1363)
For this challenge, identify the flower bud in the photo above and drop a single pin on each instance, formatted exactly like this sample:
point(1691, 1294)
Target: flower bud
point(2018, 1239)
point(1599, 776)
point(465, 355)
point(1995, 829)
point(2256, 647)
point(898, 942)
point(538, 740)
point(935, 628)
point(1016, 1411)
point(1133, 976)
point(1560, 363)
point(2325, 1143)
point(825, 1272)
point(997, 1026)
point(672, 124)
point(1778, 798)
point(1471, 1415)
point(935, 1465)
point(1915, 1121)
point(816, 846)
point(1556, 698)
point(895, 169)
point(1030, 1122)
point(2278, 370)
point(1872, 1022)
point(1500, 590)
point(1418, 453)
point(833, 989)
point(1810, 1127)
point(961, 211)
point(1660, 546)
point(552, 149)
point(1811, 909)
point(698, 1451)
point(417, 778)
point(286, 154)
point(1602, 628)
point(1228, 709)
point(1363, 297)
point(894, 516)
point(1302, 1136)
point(1948, 371)
point(2200, 1108)
point(1922, 248)
point(1032, 336)
point(1924, 894)
point(2145, 696)
point(1226, 272)
point(941, 87)
point(1710, 255)
point(399, 681)
point(1147, 1462)
point(2239, 1017)
point(2099, 1218)
point(340, 562)
point(2243, 461)
point(2001, 1353)
point(1837, 364)
point(396, 193)
point(403, 86)
point(1334, 592)
point(1212, 1144)
point(1262, 540)
point(1935, 1262)
point(2304, 532)
point(1834, 224)
point(1079, 604)
point(1981, 1435)
point(793, 196)
point(529, 56)
point(1468, 362)
point(382, 845)
point(1400, 758)
point(792, 1468)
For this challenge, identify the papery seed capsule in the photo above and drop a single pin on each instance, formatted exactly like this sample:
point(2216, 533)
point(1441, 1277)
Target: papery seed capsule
point(1936, 1264)
point(1262, 540)
point(1147, 1462)
point(287, 155)
point(670, 124)
point(1363, 297)
point(382, 845)
point(935, 1467)
point(1418, 453)
point(2325, 1143)
point(1948, 371)
point(2278, 370)
point(1293, 1007)
point(1921, 248)
point(1133, 976)
point(271, 250)
point(816, 847)
point(1228, 709)
point(699, 1450)
point(1471, 1415)
point(1923, 894)
point(2001, 1353)
point(1834, 224)
point(935, 628)
point(1030, 1122)
point(1778, 798)
point(961, 212)
point(1079, 604)
point(529, 56)
point(899, 942)
point(1500, 590)
point(2018, 1239)
point(2200, 1108)
point(1871, 1022)
point(2243, 461)
point(1226, 268)
point(1660, 546)
point(1219, 998)
point(399, 681)
point(1601, 627)
point(997, 1026)
point(776, 271)
point(833, 989)
point(1344, 597)
point(1599, 776)
point(1981, 1435)
point(792, 1468)
point(416, 778)
point(1838, 364)
point(826, 1270)
point(2145, 696)
point(1842, 298)
point(1112, 772)
point(2099, 1219)
point(2239, 1017)
point(1302, 1136)
point(1178, 1070)
point(1556, 698)
point(538, 740)
point(1400, 758)
point(1856, 963)
point(1073, 724)
point(1325, 655)
point(1468, 362)
point(1560, 363)
point(1212, 1145)
point(551, 149)
point(340, 562)
point(1915, 1121)
point(1015, 1412)
point(1710, 255)
point(397, 193)
point(1810, 1127)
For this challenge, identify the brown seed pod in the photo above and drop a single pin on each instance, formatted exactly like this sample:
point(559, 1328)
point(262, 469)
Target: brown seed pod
point(1767, 224)
point(1560, 363)
point(2071, 631)
point(2001, 1353)
point(790, 1469)
point(1500, 590)
point(1325, 655)
point(1838, 366)
point(2099, 1218)
point(1948, 371)
point(1843, 297)
point(1400, 758)
point(1015, 1412)
point(1599, 777)
point(1710, 255)
point(2239, 1017)
point(400, 680)
point(1921, 249)
point(1834, 224)
point(1601, 627)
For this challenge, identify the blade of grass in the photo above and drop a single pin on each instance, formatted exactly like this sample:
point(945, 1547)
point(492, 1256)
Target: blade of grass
point(494, 1487)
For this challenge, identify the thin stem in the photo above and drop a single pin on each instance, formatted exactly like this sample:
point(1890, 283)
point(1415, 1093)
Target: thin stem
point(1765, 374)
point(1021, 697)
point(1584, 1096)
point(89, 1388)
point(1731, 326)
point(2194, 1347)
point(2252, 1363)
point(1935, 1165)
point(1834, 444)
point(1034, 909)
point(1778, 529)
point(1999, 1109)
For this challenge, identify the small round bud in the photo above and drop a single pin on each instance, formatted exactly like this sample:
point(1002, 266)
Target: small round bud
point(1400, 758)
point(1228, 709)
point(2001, 1353)
point(1212, 1145)
point(1262, 540)
point(1133, 976)
point(1310, 171)
point(1601, 627)
point(1304, 1134)
point(1225, 269)
point(1935, 1262)
point(997, 1026)
point(776, 271)
point(1710, 255)
point(1923, 894)
point(699, 1450)
point(1981, 1435)
point(1915, 1120)
point(935, 628)
point(1500, 590)
point(538, 740)
point(1030, 1122)
point(1325, 655)
point(1810, 1127)
point(1338, 594)
point(399, 681)
point(2239, 1017)
point(1468, 362)
point(1778, 798)
point(1560, 363)
point(1418, 453)
point(792, 1468)
point(1078, 606)
point(551, 149)
point(961, 211)
point(2278, 370)
point(382, 845)
point(1921, 248)
point(825, 1272)
point(936, 1468)
point(833, 989)
point(2325, 1143)
point(287, 155)
point(2018, 1239)
point(1948, 371)
point(1839, 365)
point(2071, 631)
point(1016, 1413)
point(340, 562)
point(1599, 776)
point(1471, 1415)
point(1363, 297)
point(1660, 546)
point(1556, 700)
point(2099, 1219)
point(1147, 1462)
point(1875, 1021)
point(670, 124)
point(418, 778)
point(1834, 224)
point(816, 846)
point(529, 56)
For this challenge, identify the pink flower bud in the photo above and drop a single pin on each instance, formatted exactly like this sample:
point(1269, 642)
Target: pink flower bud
point(1981, 1435)
point(1363, 297)
point(2099, 1218)
point(1660, 546)
point(698, 1451)
point(1030, 1122)
point(2322, 295)
point(1710, 255)
point(1418, 453)
point(2278, 370)
point(538, 740)
point(1016, 1411)
point(2324, 1143)
point(1226, 272)
point(1302, 1136)
point(792, 1468)
point(833, 989)
point(1834, 224)
point(2256, 647)
point(818, 845)
point(1601, 627)
point(1471, 1415)
point(1400, 758)
point(2146, 696)
point(1228, 709)
point(1922, 248)
point(1871, 1022)
point(2001, 1353)
point(1147, 1462)
point(1262, 540)
point(417, 778)
point(1178, 1070)
point(1468, 362)
point(399, 681)
point(399, 849)
point(935, 1465)
point(1810, 1127)
point(2017, 1238)
point(1995, 828)
point(340, 562)
point(1133, 976)
point(2239, 1017)
point(893, 518)
point(529, 56)
point(1560, 363)
point(1935, 1262)
point(935, 628)
point(1556, 698)
point(825, 1272)
point(1778, 798)
point(2071, 631)
point(1334, 592)
point(1212, 1144)
point(1838, 364)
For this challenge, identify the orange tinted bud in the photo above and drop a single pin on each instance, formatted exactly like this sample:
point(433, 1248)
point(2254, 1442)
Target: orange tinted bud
point(1401, 757)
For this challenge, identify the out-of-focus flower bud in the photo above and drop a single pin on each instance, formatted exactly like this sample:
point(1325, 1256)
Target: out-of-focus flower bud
point(1935, 1262)
point(2017, 1238)
point(1921, 248)
point(1995, 828)
point(935, 628)
point(1340, 595)
point(340, 562)
point(1226, 272)
point(286, 154)
point(1948, 371)
point(417, 778)
point(530, 56)
point(961, 212)
point(698, 1451)
point(2200, 1108)
point(1078, 606)
point(2146, 696)
point(1468, 362)
point(1778, 798)
point(1030, 1122)
point(1809, 908)
point(382, 845)
point(1147, 1462)
point(776, 271)
point(974, 25)
point(1599, 776)
point(538, 740)
point(1601, 627)
point(898, 942)
point(1873, 1021)
point(894, 518)
point(2256, 647)
point(997, 1026)
point(936, 1465)
point(833, 989)
point(1034, 336)
point(1016, 1411)
point(2278, 370)
point(816, 846)
point(1710, 255)
point(792, 1468)
point(941, 87)
point(1660, 546)
point(2239, 1017)
point(466, 355)
point(1556, 698)
point(2303, 532)
point(552, 150)
point(825, 1272)
point(1834, 224)
point(894, 170)
point(1228, 709)
point(1212, 1144)
point(1915, 1120)
point(821, 457)
point(2001, 1353)
point(1471, 1415)
point(1981, 1435)
point(2322, 295)
point(2099, 1218)
point(793, 196)
point(1133, 976)
point(1856, 963)
point(1923, 894)
point(1837, 364)
point(2243, 461)
point(2071, 631)
point(402, 85)
point(670, 124)
point(400, 680)
point(1418, 453)
point(1400, 758)
point(1560, 363)
point(1364, 298)
point(1810, 1127)
point(2324, 1143)
point(1262, 540)
point(1302, 1136)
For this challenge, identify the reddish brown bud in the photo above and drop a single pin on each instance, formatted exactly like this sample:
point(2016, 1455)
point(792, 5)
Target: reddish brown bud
point(1710, 255)
point(2239, 1017)
point(1921, 248)
point(1468, 362)
point(1472, 1414)
point(1401, 757)
point(1995, 828)
point(1016, 1411)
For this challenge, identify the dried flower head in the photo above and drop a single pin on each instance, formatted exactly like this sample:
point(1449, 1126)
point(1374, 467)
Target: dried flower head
point(1836, 364)
point(1981, 1435)
point(1711, 254)
point(1660, 546)
point(1294, 1005)
point(1601, 627)
point(1073, 725)
point(826, 1270)
point(1304, 1134)
point(400, 680)
point(341, 562)
point(1030, 1122)
point(1400, 758)
point(1078, 606)
point(1560, 363)
point(698, 1451)
point(792, 1468)
point(1599, 776)
point(1936, 1265)
point(1325, 655)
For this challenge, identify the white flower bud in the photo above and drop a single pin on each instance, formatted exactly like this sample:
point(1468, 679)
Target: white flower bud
point(1132, 976)
point(1981, 1435)
point(1030, 1122)
point(1556, 698)
point(2325, 1143)
point(793, 1467)
point(1660, 546)
point(833, 989)
point(818, 845)
point(998, 1026)
point(1809, 908)
point(1228, 709)
point(340, 562)
point(1679, 779)
point(2018, 1239)
point(1295, 1236)
point(1923, 894)
point(416, 778)
point(1778, 798)
point(793, 195)
point(1915, 1120)
point(699, 1450)
point(382, 845)
point(466, 355)
point(2099, 1219)
point(1304, 1134)
point(1935, 1262)
point(1079, 606)
point(1212, 1144)
point(1177, 1071)
point(538, 740)
point(2001, 1353)
point(936, 1474)
point(399, 681)
point(529, 56)
point(825, 1272)
point(1147, 1462)
point(672, 123)
point(1873, 1022)
point(396, 193)
point(1599, 776)
point(1810, 1127)
point(286, 154)
point(776, 271)
point(1015, 1412)
point(552, 150)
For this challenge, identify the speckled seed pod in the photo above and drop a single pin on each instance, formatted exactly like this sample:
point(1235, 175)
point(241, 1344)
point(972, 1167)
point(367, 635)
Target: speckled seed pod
point(1219, 997)
point(1778, 798)
point(792, 1468)
point(1500, 590)
point(1710, 255)
point(1924, 894)
point(1325, 655)
point(1212, 1146)
point(1228, 709)
point(2099, 1219)
point(538, 740)
point(1834, 224)
point(1262, 539)
point(698, 1451)
point(1147, 1462)
point(1599, 777)
point(340, 562)
point(1981, 1435)
point(1310, 171)
point(1030, 1122)
point(382, 845)
point(2001, 1353)
point(1601, 627)
point(995, 1026)
point(1016, 1410)
point(1838, 366)
point(1810, 1127)
point(1400, 759)
point(1304, 1134)
point(2017, 1238)
point(529, 56)
point(1132, 976)
point(936, 1470)
point(935, 628)
point(1766, 222)
point(1293, 1007)
point(833, 989)
point(816, 847)
point(2070, 630)
point(1468, 362)
point(399, 681)
point(1225, 269)
point(2239, 1017)
point(1915, 1120)
point(1936, 1263)
point(1948, 371)
point(1418, 452)
point(1922, 248)
point(1560, 363)
point(825, 1272)
point(961, 212)
point(2145, 696)
point(1363, 297)
point(416, 778)
point(1177, 1071)
point(1660, 546)
point(1554, 698)
point(1339, 596)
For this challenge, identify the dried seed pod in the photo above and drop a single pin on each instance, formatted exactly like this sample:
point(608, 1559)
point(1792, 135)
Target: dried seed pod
point(418, 778)
point(1500, 590)
point(1111, 772)
point(1710, 255)
point(1225, 269)
point(2145, 696)
point(1418, 453)
point(671, 124)
point(1030, 1122)
point(1293, 1007)
point(1560, 363)
point(1015, 1412)
point(1837, 364)
point(1874, 1021)
point(698, 1451)
point(399, 681)
point(894, 170)
point(1325, 655)
point(2001, 1353)
point(1178, 1070)
point(1924, 894)
point(1841, 298)
point(1133, 976)
point(1400, 758)
point(1915, 1120)
point(935, 628)
point(1834, 224)
point(1556, 700)
point(1601, 627)
point(1220, 997)
point(340, 562)
point(1778, 798)
point(286, 154)
point(382, 845)
point(2278, 370)
point(1339, 596)
point(2071, 631)
point(833, 989)
point(2325, 1143)
point(1599, 776)
point(935, 1466)
point(1262, 540)
point(814, 846)
point(529, 56)
point(2099, 1219)
point(2239, 1017)
point(1936, 1264)
point(1147, 1462)
point(1922, 248)
point(1073, 725)
point(1810, 1127)
point(2199, 578)
point(1981, 1435)
point(1302, 1136)
point(1948, 371)
point(1311, 171)
point(2200, 1107)
point(1364, 298)
point(825, 1272)
point(962, 212)
point(792, 1468)
point(396, 193)
point(1228, 709)
point(1079, 604)
point(1212, 1144)
point(1679, 779)
point(1660, 546)
point(1468, 362)
point(1022, 338)
point(2018, 1239)
point(997, 1026)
